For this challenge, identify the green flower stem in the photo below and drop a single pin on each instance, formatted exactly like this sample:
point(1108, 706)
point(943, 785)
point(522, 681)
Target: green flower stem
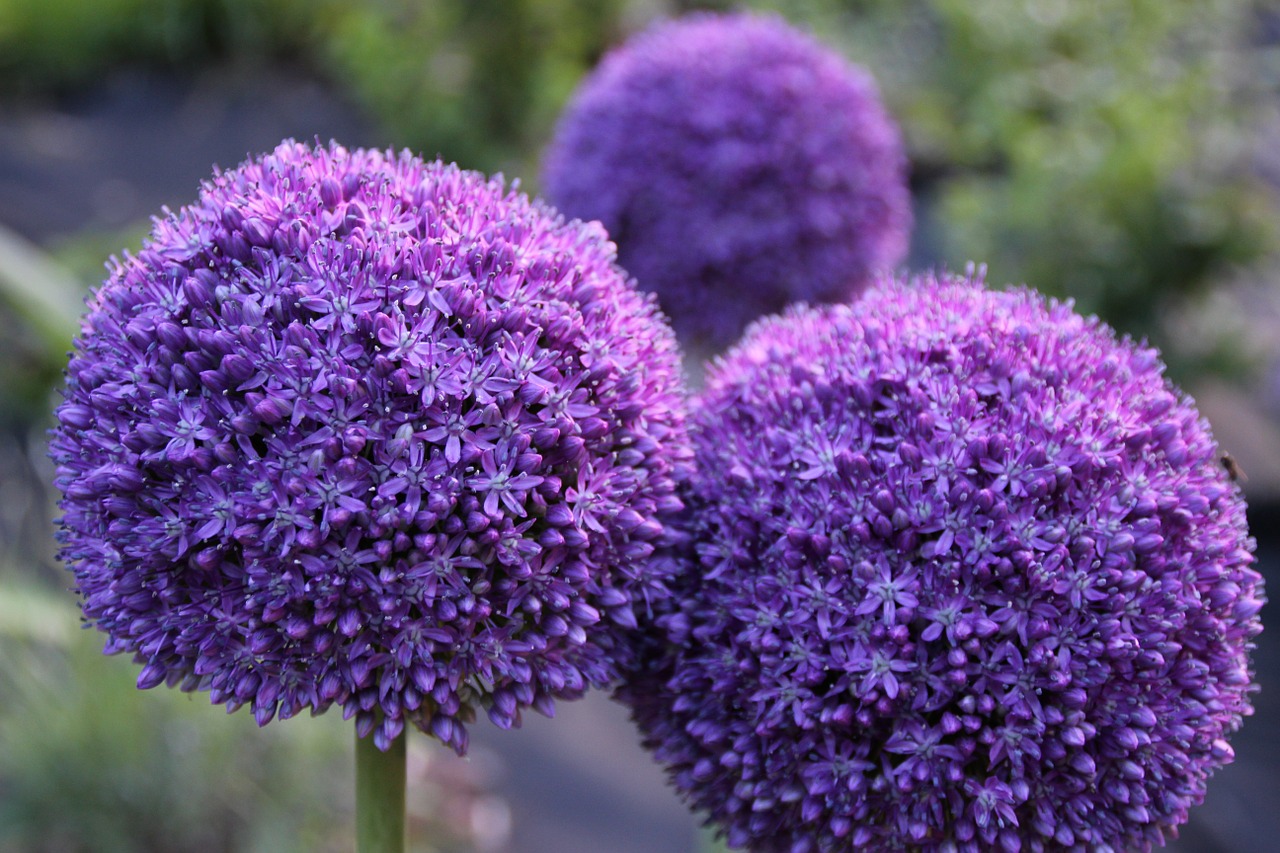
point(380, 778)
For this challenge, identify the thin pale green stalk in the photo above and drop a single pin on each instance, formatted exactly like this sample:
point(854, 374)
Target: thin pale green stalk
point(47, 297)
point(380, 779)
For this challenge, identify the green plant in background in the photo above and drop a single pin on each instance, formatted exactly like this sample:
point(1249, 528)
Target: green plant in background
point(1093, 147)
point(59, 45)
point(477, 81)
point(39, 305)
point(1113, 124)
point(1096, 148)
point(88, 762)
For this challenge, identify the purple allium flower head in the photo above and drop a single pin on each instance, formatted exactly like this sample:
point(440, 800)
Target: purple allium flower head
point(357, 429)
point(739, 165)
point(969, 576)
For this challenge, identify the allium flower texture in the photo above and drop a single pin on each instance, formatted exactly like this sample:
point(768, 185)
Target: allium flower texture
point(361, 430)
point(970, 576)
point(739, 165)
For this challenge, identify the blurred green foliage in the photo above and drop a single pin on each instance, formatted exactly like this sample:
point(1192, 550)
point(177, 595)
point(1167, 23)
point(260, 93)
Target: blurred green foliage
point(1091, 148)
point(1096, 149)
point(59, 45)
point(90, 763)
point(477, 81)
point(40, 305)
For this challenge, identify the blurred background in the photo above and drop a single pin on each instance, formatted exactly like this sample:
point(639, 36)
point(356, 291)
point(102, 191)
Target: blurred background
point(1125, 153)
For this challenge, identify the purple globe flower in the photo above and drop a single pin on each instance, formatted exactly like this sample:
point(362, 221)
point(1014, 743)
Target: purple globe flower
point(357, 429)
point(969, 576)
point(739, 165)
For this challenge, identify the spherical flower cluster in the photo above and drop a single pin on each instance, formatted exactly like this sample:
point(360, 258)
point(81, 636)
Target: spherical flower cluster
point(969, 576)
point(739, 165)
point(357, 429)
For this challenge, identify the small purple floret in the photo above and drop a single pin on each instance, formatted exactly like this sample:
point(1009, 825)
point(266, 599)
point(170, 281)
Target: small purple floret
point(739, 165)
point(969, 576)
point(361, 430)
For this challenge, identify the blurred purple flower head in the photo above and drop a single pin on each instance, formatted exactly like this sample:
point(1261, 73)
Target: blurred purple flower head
point(357, 429)
point(969, 576)
point(739, 165)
